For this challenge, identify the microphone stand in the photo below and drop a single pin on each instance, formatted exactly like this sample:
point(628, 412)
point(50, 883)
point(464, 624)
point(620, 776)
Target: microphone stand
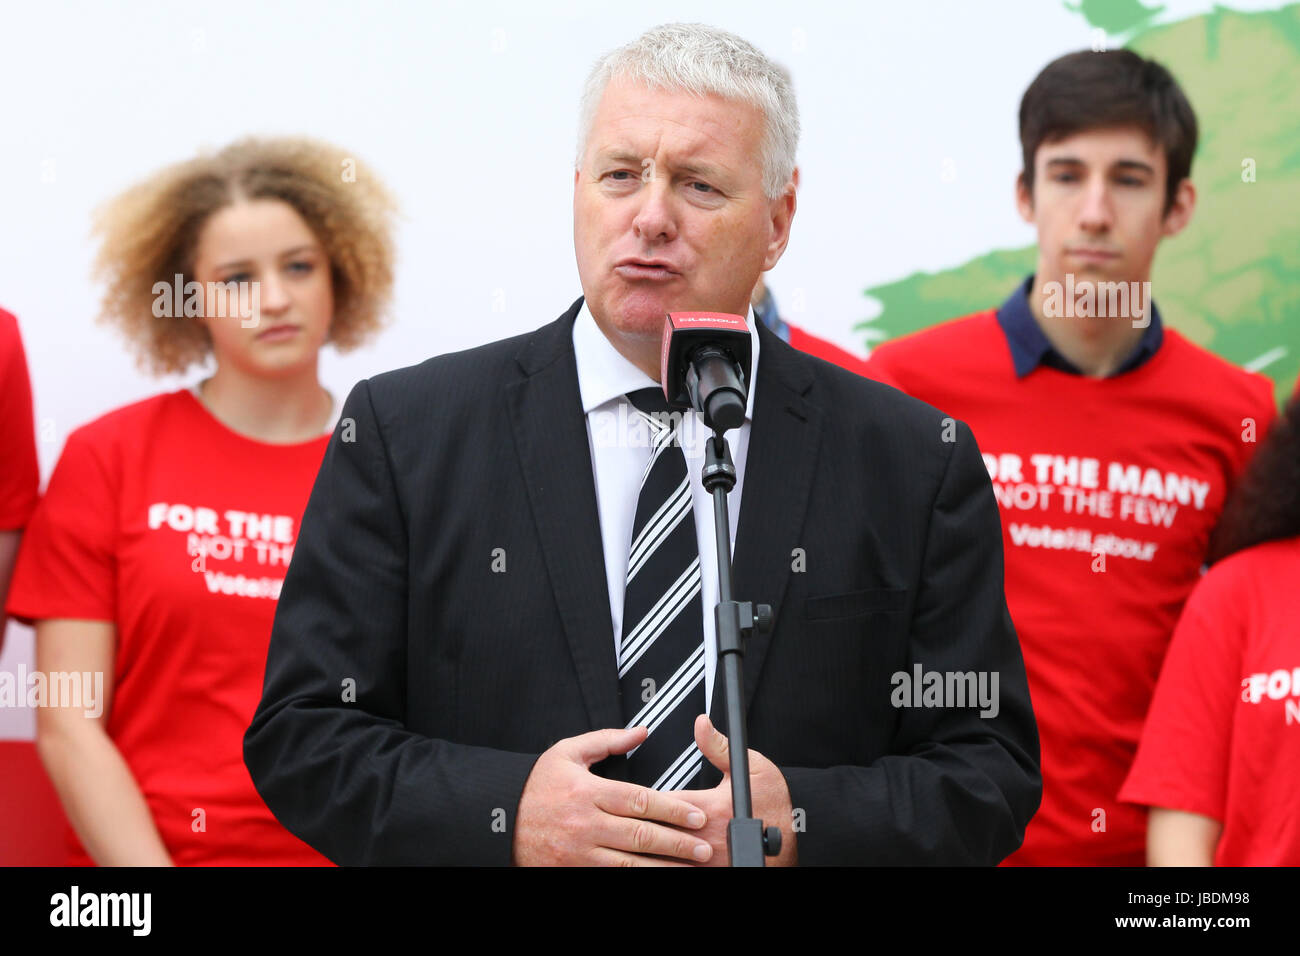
point(747, 841)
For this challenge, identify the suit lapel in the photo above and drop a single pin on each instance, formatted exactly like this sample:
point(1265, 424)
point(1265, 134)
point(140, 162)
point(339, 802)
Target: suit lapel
point(550, 432)
point(783, 442)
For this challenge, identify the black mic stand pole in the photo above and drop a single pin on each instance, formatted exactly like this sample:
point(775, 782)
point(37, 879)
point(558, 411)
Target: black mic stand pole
point(747, 841)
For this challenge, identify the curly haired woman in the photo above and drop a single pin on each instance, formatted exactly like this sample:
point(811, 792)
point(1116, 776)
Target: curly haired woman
point(152, 566)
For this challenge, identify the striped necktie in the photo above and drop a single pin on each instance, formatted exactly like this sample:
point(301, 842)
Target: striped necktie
point(661, 652)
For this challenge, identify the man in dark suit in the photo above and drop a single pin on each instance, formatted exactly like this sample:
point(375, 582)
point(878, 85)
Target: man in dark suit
point(484, 652)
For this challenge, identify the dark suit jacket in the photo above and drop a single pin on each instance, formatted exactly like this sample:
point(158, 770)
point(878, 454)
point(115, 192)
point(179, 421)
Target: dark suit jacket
point(410, 686)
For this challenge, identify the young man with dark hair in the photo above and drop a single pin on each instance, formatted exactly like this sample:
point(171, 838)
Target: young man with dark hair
point(1111, 439)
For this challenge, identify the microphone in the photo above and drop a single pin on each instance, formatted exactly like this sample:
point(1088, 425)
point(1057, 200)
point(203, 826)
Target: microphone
point(705, 365)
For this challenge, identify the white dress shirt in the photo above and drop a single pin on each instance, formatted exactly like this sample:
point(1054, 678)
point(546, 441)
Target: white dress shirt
point(620, 449)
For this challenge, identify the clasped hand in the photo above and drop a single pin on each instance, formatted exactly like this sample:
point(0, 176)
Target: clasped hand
point(569, 816)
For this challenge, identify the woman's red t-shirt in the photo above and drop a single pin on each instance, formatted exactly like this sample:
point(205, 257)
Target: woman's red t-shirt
point(178, 530)
point(20, 477)
point(1222, 738)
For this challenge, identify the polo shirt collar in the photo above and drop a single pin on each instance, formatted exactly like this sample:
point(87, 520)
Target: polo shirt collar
point(1030, 348)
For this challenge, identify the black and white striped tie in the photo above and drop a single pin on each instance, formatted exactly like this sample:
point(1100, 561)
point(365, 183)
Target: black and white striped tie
point(661, 654)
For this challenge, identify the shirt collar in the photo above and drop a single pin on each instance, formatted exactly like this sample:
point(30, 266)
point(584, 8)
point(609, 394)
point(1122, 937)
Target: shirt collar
point(1030, 348)
point(605, 375)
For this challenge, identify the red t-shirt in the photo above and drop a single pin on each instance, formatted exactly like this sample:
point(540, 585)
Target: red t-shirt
point(178, 530)
point(1108, 490)
point(1223, 735)
point(20, 477)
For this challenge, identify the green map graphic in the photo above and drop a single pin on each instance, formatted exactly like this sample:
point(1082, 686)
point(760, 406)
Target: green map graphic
point(1229, 281)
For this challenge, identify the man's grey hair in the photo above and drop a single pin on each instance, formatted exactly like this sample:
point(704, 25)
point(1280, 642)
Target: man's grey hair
point(700, 59)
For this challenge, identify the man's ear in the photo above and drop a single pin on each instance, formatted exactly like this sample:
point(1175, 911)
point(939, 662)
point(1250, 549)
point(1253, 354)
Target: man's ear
point(1024, 200)
point(1180, 213)
point(782, 211)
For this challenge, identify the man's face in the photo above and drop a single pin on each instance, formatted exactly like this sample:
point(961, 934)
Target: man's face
point(668, 209)
point(1098, 203)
